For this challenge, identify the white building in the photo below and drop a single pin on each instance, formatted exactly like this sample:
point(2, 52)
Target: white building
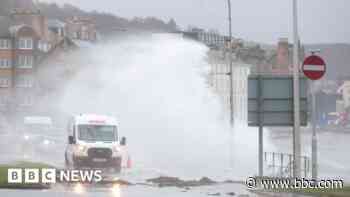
point(220, 82)
point(344, 90)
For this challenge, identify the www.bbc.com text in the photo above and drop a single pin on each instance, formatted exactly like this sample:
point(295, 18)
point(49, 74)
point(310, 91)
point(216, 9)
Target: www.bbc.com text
point(293, 183)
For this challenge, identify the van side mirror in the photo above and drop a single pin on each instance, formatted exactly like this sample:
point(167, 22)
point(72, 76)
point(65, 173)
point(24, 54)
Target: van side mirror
point(71, 140)
point(123, 141)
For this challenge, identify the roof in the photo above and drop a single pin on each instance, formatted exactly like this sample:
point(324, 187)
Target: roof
point(5, 23)
point(95, 119)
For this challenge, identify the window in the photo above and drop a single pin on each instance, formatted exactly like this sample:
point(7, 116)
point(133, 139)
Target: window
point(24, 82)
point(76, 35)
point(25, 61)
point(5, 82)
point(5, 63)
point(25, 43)
point(4, 100)
point(26, 100)
point(5, 44)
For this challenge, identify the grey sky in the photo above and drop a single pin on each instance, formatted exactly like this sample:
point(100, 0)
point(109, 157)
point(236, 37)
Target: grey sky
point(321, 21)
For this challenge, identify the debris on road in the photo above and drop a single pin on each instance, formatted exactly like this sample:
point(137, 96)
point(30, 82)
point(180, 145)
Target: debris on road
point(234, 182)
point(214, 194)
point(118, 181)
point(176, 182)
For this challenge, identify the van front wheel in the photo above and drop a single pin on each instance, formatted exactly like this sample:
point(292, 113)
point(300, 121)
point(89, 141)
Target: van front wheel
point(66, 162)
point(117, 169)
point(118, 166)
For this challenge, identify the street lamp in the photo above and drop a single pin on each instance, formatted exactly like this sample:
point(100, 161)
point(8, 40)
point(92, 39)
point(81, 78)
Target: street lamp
point(230, 62)
point(229, 49)
point(296, 130)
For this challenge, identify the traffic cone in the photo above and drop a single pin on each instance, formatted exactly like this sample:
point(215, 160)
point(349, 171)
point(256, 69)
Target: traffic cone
point(129, 163)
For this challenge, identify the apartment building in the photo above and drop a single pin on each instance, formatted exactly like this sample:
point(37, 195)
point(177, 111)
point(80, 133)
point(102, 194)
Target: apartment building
point(6, 64)
point(21, 34)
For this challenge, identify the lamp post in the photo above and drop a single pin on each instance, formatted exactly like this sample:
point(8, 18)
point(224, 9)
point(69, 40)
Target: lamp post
point(229, 49)
point(232, 118)
point(296, 130)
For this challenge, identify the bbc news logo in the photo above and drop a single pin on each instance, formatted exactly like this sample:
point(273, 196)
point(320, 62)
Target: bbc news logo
point(50, 175)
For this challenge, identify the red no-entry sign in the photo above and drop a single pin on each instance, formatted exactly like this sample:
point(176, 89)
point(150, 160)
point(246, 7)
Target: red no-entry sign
point(314, 67)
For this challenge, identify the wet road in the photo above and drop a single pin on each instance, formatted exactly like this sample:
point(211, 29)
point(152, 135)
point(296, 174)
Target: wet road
point(137, 191)
point(333, 161)
point(331, 154)
point(333, 149)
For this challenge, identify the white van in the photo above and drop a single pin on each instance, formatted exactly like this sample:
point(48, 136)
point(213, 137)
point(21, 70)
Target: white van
point(93, 142)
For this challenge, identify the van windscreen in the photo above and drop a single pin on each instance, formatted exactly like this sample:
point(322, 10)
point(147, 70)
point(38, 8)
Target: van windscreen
point(97, 133)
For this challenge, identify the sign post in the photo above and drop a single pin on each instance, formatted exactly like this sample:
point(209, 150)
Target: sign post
point(261, 127)
point(314, 67)
point(270, 103)
point(296, 95)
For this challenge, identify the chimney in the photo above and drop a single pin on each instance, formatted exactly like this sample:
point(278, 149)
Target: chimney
point(283, 54)
point(40, 25)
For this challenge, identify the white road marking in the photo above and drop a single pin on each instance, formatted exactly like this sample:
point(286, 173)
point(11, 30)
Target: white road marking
point(314, 67)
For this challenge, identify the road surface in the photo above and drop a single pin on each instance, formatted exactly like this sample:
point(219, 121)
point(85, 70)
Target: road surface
point(137, 191)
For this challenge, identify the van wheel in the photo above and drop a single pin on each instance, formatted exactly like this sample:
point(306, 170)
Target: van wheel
point(75, 166)
point(117, 169)
point(66, 162)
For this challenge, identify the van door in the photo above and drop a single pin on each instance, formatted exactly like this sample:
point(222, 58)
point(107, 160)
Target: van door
point(70, 147)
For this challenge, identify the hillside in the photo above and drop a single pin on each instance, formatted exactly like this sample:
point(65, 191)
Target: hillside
point(106, 23)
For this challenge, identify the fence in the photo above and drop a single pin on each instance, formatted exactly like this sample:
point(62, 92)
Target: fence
point(281, 164)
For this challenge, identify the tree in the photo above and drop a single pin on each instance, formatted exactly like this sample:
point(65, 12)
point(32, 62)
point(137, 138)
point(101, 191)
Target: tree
point(172, 24)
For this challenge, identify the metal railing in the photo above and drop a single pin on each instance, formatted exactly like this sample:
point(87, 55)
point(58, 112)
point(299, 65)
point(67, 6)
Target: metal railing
point(281, 164)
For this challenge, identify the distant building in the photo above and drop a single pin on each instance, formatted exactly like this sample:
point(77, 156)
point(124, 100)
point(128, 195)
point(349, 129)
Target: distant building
point(253, 55)
point(80, 28)
point(58, 27)
point(344, 91)
point(283, 56)
point(280, 61)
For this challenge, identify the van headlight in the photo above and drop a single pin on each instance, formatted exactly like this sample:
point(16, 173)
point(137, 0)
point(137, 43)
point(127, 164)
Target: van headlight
point(26, 137)
point(81, 150)
point(46, 142)
point(116, 149)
